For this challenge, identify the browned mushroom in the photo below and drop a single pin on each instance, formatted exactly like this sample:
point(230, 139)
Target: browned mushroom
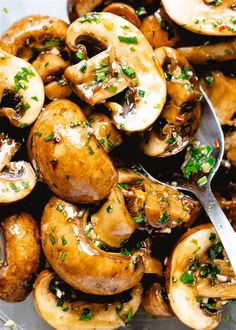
point(222, 51)
point(160, 206)
point(105, 131)
point(68, 157)
point(228, 206)
point(21, 248)
point(154, 302)
point(180, 118)
point(112, 223)
point(160, 30)
point(82, 311)
point(221, 91)
point(125, 11)
point(230, 147)
point(127, 61)
point(199, 278)
point(77, 260)
point(40, 40)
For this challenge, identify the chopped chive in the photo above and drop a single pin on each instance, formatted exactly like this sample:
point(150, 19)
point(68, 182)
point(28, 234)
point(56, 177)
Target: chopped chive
point(63, 256)
point(49, 137)
point(35, 98)
point(128, 40)
point(60, 208)
point(109, 209)
point(52, 239)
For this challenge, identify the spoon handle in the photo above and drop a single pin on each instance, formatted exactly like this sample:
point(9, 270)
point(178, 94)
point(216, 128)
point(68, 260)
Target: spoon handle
point(222, 225)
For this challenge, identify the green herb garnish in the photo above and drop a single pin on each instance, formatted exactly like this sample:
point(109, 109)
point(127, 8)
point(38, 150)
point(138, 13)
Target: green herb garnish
point(128, 40)
point(187, 278)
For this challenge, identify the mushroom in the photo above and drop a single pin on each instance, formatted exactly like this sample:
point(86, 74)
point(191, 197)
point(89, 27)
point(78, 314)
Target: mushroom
point(21, 250)
point(77, 260)
point(76, 8)
point(68, 157)
point(222, 51)
point(230, 147)
point(40, 39)
point(105, 131)
point(228, 206)
point(160, 30)
point(127, 61)
point(112, 223)
point(154, 302)
point(180, 117)
point(199, 278)
point(82, 311)
point(125, 11)
point(21, 90)
point(221, 91)
point(17, 179)
point(33, 34)
point(152, 265)
point(8, 148)
point(202, 16)
point(149, 202)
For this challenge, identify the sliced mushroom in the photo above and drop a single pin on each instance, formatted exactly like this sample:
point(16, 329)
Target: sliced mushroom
point(112, 223)
point(203, 16)
point(68, 157)
point(125, 11)
point(228, 206)
point(152, 265)
point(17, 180)
point(180, 118)
point(33, 33)
point(22, 91)
point(105, 131)
point(77, 260)
point(221, 91)
point(128, 61)
point(81, 313)
point(158, 205)
point(222, 51)
point(160, 30)
point(199, 278)
point(8, 148)
point(154, 302)
point(20, 238)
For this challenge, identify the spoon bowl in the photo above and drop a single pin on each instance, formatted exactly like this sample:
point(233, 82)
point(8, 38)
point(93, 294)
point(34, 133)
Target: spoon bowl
point(209, 133)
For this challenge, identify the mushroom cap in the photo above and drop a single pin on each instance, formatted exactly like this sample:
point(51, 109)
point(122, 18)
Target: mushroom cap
point(22, 250)
point(83, 265)
point(182, 296)
point(203, 17)
point(68, 157)
point(104, 315)
point(134, 61)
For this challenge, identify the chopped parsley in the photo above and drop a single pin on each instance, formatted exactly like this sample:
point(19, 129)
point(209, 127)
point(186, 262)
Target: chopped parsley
point(35, 98)
point(75, 123)
point(113, 89)
point(63, 241)
point(87, 315)
point(128, 71)
point(164, 25)
point(60, 208)
point(125, 252)
point(198, 159)
point(139, 219)
point(93, 17)
point(14, 188)
point(52, 239)
point(22, 78)
point(140, 11)
point(164, 218)
point(187, 278)
point(128, 40)
point(80, 55)
point(209, 79)
point(101, 73)
point(109, 209)
point(53, 43)
point(62, 256)
point(83, 68)
point(141, 93)
point(49, 137)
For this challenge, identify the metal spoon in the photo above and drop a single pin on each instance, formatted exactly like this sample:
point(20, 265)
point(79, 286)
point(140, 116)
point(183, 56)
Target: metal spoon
point(208, 133)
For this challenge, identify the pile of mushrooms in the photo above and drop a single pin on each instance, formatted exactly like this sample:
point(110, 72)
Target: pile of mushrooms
point(78, 104)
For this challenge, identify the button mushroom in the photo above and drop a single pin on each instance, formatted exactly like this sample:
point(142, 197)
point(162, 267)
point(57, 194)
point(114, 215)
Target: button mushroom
point(180, 117)
point(127, 61)
point(160, 30)
point(154, 302)
point(77, 310)
point(112, 223)
point(200, 278)
point(151, 203)
point(221, 91)
point(21, 248)
point(125, 11)
point(77, 8)
point(17, 179)
point(222, 51)
point(77, 260)
point(40, 40)
point(21, 90)
point(105, 131)
point(68, 157)
point(203, 16)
